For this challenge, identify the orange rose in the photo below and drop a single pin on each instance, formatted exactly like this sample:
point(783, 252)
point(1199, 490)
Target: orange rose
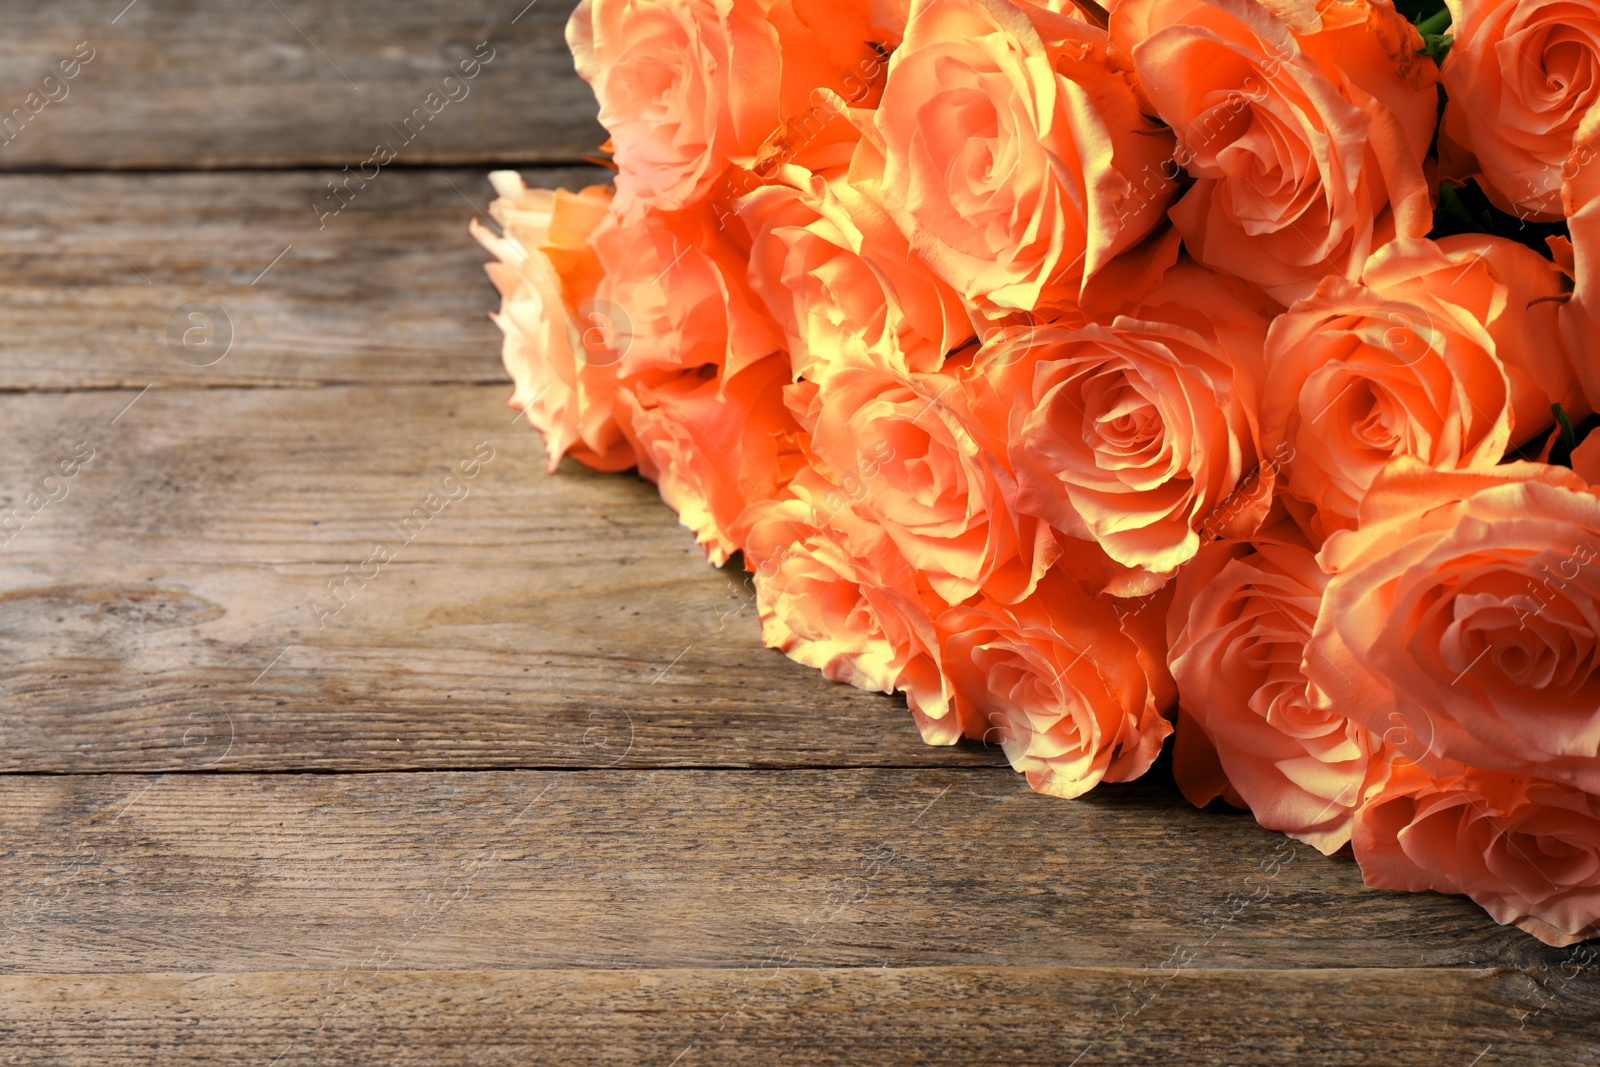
point(1240, 619)
point(1137, 433)
point(1466, 609)
point(1579, 317)
point(841, 280)
point(1442, 352)
point(713, 445)
point(1520, 76)
point(1071, 687)
point(1527, 851)
point(1010, 149)
point(688, 86)
point(545, 270)
point(835, 594)
point(1307, 149)
point(673, 296)
point(941, 490)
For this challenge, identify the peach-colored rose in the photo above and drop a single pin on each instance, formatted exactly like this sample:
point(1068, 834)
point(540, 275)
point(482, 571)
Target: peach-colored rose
point(834, 593)
point(1307, 149)
point(1309, 17)
point(841, 280)
point(1010, 149)
point(688, 86)
point(1520, 76)
point(674, 296)
point(1466, 609)
point(1066, 683)
point(1442, 352)
point(1240, 619)
point(942, 493)
point(1196, 766)
point(1579, 317)
point(713, 445)
point(1374, 49)
point(1526, 851)
point(545, 270)
point(1136, 433)
point(1586, 459)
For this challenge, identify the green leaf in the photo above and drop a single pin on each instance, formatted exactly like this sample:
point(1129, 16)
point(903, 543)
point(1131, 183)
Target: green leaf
point(1437, 45)
point(1566, 439)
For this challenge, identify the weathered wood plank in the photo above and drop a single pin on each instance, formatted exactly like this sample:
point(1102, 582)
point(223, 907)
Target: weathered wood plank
point(168, 608)
point(175, 598)
point(97, 267)
point(943, 1015)
point(233, 83)
point(612, 869)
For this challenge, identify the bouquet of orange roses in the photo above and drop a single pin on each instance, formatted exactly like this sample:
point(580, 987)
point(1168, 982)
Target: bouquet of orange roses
point(1208, 368)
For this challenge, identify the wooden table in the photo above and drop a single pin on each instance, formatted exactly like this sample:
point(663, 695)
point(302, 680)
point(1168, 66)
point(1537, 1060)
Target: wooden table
point(532, 792)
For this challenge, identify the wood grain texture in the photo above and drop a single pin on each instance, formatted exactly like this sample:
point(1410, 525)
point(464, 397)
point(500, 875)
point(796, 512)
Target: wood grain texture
point(550, 800)
point(690, 1017)
point(211, 575)
point(232, 83)
point(392, 289)
point(737, 869)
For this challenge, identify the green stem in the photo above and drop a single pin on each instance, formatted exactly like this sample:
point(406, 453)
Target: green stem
point(1435, 23)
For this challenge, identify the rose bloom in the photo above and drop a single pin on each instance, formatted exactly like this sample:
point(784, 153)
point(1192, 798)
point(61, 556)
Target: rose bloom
point(835, 594)
point(1308, 150)
point(1138, 433)
point(1071, 686)
point(1442, 352)
point(675, 297)
point(686, 86)
point(1010, 149)
point(1466, 607)
point(937, 484)
point(1240, 619)
point(1520, 76)
point(1526, 851)
point(1579, 317)
point(564, 373)
point(1305, 19)
point(714, 445)
point(841, 279)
